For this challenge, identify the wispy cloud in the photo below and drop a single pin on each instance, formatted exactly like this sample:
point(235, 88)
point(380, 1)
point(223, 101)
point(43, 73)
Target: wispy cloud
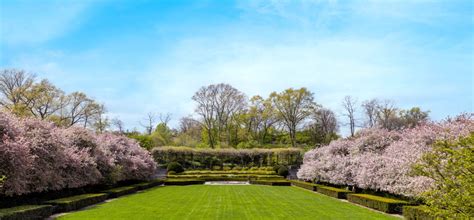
point(26, 22)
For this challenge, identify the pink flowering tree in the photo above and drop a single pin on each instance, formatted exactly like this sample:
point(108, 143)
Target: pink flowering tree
point(37, 156)
point(381, 160)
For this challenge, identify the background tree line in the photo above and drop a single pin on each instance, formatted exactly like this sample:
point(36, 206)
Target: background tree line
point(224, 116)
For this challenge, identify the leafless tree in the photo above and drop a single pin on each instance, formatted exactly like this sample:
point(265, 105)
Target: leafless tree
point(118, 124)
point(13, 86)
point(387, 115)
point(164, 118)
point(149, 122)
point(79, 109)
point(323, 125)
point(326, 119)
point(371, 108)
point(227, 102)
point(205, 108)
point(349, 104)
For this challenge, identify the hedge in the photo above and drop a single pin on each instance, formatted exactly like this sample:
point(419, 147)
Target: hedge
point(333, 192)
point(77, 202)
point(183, 182)
point(26, 212)
point(416, 213)
point(305, 185)
point(209, 158)
point(120, 191)
point(236, 172)
point(379, 203)
point(252, 176)
point(147, 185)
point(271, 182)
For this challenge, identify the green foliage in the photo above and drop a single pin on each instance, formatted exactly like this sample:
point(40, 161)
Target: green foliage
point(283, 171)
point(162, 135)
point(451, 166)
point(199, 158)
point(271, 182)
point(332, 191)
point(145, 141)
point(175, 167)
point(379, 203)
point(77, 202)
point(417, 213)
point(305, 185)
point(26, 212)
point(183, 182)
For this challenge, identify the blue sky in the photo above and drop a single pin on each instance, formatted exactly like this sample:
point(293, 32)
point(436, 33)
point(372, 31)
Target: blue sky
point(141, 56)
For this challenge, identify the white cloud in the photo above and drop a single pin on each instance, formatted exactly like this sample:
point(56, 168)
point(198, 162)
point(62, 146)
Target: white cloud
point(29, 22)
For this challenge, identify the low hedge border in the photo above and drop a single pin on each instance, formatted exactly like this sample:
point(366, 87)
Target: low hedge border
point(251, 176)
point(183, 182)
point(305, 185)
point(333, 192)
point(271, 182)
point(77, 202)
point(120, 191)
point(417, 213)
point(379, 203)
point(26, 212)
point(250, 172)
point(147, 185)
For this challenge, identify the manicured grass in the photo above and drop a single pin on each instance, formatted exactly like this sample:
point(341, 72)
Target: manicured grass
point(226, 202)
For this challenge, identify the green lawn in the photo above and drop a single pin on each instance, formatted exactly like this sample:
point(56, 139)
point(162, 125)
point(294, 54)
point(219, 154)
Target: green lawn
point(226, 202)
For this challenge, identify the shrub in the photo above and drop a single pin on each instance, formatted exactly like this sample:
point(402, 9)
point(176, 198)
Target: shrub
point(305, 185)
point(183, 182)
point(333, 192)
point(376, 202)
point(451, 165)
point(175, 167)
point(276, 168)
point(283, 171)
point(417, 213)
point(77, 202)
point(239, 157)
point(237, 168)
point(120, 191)
point(26, 212)
point(271, 182)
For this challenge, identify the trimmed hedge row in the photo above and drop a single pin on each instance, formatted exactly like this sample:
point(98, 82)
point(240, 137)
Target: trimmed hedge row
point(305, 185)
point(120, 191)
point(326, 190)
point(235, 172)
point(416, 213)
point(271, 182)
point(333, 192)
point(379, 203)
point(183, 182)
point(147, 185)
point(26, 212)
point(77, 202)
point(251, 176)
